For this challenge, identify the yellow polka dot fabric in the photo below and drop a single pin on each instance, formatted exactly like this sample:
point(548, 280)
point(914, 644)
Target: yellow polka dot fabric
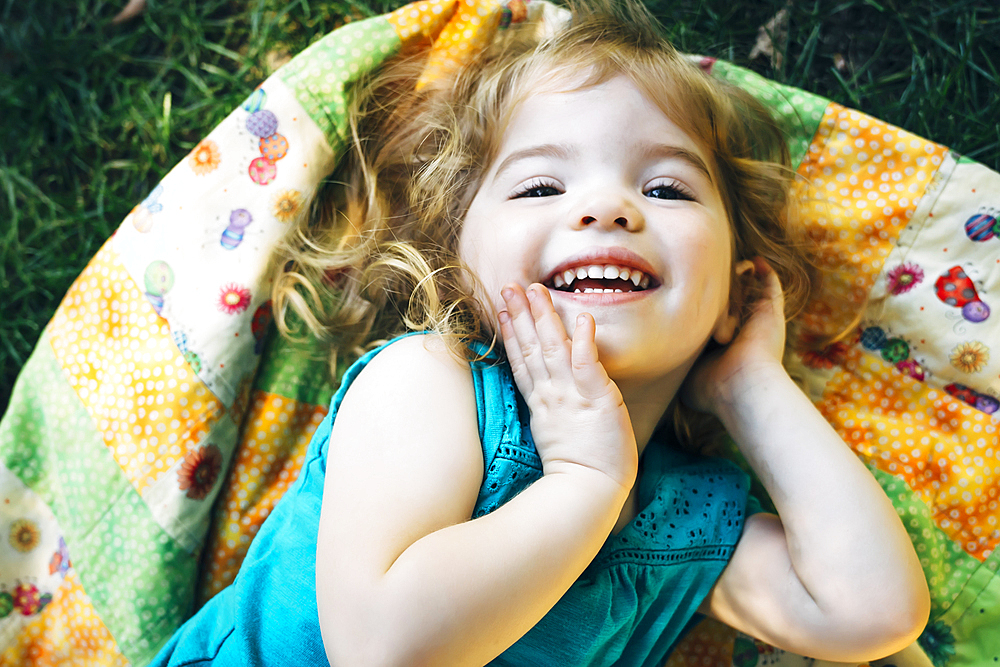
point(119, 356)
point(456, 27)
point(945, 450)
point(421, 21)
point(859, 185)
point(271, 451)
point(68, 633)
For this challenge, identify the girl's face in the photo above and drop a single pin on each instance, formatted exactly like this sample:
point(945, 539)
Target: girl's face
point(602, 199)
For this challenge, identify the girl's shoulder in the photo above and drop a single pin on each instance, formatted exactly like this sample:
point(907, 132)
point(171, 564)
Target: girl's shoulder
point(413, 377)
point(410, 361)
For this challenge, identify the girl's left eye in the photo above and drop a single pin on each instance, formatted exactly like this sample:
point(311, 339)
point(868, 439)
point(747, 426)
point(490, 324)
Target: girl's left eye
point(673, 190)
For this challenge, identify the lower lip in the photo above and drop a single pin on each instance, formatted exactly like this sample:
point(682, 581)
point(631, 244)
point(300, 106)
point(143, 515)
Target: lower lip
point(601, 298)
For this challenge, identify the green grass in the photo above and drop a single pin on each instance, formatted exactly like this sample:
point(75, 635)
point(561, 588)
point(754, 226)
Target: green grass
point(94, 114)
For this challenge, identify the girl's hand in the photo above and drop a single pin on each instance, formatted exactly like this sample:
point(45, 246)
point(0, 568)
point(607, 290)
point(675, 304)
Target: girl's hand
point(759, 344)
point(578, 417)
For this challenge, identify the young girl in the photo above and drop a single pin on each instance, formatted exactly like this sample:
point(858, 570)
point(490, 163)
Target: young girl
point(616, 219)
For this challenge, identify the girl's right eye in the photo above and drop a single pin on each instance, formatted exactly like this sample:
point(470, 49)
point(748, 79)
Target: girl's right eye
point(535, 188)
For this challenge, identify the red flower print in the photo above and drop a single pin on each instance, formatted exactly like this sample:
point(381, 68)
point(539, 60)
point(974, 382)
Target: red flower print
point(234, 299)
point(199, 471)
point(903, 278)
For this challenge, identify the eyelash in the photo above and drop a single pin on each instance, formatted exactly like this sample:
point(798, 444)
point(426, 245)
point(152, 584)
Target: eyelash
point(533, 185)
point(680, 192)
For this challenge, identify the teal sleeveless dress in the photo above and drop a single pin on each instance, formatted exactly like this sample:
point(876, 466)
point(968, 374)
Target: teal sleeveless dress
point(629, 607)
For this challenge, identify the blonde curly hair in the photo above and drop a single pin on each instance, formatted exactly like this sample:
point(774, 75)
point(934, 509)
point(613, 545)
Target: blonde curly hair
point(379, 255)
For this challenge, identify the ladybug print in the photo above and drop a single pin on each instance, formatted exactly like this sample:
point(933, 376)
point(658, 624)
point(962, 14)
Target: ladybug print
point(873, 338)
point(955, 288)
point(981, 402)
point(895, 350)
point(963, 393)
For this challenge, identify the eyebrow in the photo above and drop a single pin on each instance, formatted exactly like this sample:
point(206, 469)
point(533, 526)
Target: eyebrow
point(678, 153)
point(558, 151)
point(564, 152)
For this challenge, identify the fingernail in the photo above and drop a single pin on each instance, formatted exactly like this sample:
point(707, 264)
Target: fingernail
point(503, 316)
point(581, 318)
point(506, 293)
point(532, 294)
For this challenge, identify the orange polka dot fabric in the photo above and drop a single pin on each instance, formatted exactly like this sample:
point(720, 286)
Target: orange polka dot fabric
point(859, 185)
point(945, 450)
point(68, 633)
point(271, 451)
point(145, 399)
point(456, 29)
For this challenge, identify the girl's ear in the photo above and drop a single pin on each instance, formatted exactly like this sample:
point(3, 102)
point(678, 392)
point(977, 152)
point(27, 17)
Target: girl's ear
point(729, 322)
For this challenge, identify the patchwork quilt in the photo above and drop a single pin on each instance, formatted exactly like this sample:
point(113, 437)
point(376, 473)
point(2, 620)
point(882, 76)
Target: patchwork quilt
point(157, 422)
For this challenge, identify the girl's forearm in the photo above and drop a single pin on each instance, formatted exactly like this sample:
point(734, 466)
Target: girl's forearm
point(463, 594)
point(845, 541)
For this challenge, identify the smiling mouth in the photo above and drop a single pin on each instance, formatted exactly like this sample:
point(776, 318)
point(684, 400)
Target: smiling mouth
point(600, 278)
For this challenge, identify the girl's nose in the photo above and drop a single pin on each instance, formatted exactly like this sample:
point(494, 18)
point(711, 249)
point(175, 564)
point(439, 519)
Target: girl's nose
point(610, 213)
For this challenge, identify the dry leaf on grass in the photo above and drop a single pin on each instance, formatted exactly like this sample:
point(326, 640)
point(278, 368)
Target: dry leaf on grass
point(772, 37)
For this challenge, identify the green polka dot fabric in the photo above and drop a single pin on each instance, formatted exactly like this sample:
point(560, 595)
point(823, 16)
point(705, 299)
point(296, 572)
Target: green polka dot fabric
point(945, 564)
point(797, 112)
point(138, 578)
point(299, 371)
point(322, 75)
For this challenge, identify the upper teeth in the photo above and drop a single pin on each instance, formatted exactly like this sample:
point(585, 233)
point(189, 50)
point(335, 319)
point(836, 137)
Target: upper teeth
point(598, 271)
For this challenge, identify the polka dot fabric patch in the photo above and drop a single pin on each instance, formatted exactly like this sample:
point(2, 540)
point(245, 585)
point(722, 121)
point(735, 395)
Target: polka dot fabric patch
point(138, 578)
point(292, 370)
point(860, 184)
point(143, 396)
point(969, 627)
point(945, 450)
point(946, 566)
point(797, 112)
point(68, 633)
point(321, 75)
point(275, 437)
point(421, 21)
point(472, 24)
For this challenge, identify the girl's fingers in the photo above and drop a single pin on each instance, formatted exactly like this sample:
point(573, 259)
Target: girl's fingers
point(524, 334)
point(552, 338)
point(521, 375)
point(588, 371)
point(772, 295)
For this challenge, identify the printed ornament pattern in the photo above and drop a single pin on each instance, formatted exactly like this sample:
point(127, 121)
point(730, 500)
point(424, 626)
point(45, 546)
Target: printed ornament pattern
point(204, 270)
point(263, 123)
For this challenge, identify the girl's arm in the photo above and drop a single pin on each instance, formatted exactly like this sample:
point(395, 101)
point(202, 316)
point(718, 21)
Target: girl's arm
point(835, 577)
point(403, 576)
